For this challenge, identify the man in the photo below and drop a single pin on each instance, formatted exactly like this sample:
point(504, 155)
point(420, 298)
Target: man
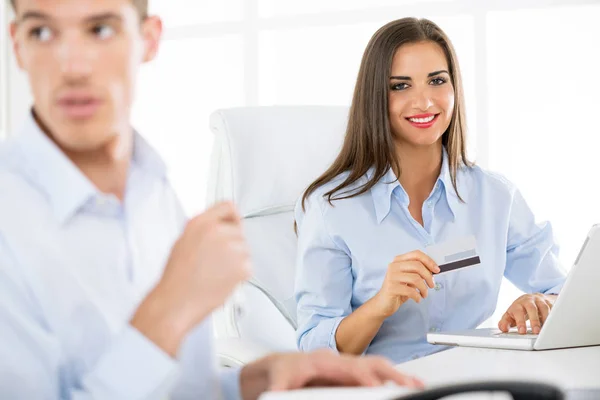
point(105, 289)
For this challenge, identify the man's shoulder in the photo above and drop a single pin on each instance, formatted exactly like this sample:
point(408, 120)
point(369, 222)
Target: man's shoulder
point(8, 147)
point(21, 202)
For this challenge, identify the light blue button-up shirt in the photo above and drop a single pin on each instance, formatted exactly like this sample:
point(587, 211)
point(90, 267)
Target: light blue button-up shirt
point(74, 266)
point(344, 251)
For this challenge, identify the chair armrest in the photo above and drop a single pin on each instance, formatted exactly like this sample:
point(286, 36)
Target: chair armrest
point(237, 352)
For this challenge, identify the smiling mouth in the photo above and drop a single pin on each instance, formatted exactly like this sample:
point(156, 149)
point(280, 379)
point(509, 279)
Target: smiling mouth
point(422, 120)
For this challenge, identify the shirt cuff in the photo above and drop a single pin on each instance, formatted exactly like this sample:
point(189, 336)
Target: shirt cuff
point(230, 383)
point(321, 336)
point(556, 289)
point(326, 334)
point(335, 322)
point(133, 367)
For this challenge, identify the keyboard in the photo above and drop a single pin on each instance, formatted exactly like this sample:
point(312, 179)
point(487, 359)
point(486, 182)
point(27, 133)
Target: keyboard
point(513, 333)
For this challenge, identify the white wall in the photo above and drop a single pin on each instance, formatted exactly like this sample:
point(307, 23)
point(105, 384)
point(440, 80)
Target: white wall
point(3, 74)
point(19, 98)
point(15, 97)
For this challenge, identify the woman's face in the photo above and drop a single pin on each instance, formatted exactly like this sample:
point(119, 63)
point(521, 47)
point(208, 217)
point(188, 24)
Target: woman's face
point(421, 95)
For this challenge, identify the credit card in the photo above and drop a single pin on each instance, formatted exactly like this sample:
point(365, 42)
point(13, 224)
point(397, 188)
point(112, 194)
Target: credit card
point(454, 254)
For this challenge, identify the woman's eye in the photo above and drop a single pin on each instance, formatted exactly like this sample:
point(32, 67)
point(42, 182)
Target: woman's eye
point(400, 86)
point(438, 81)
point(103, 31)
point(41, 34)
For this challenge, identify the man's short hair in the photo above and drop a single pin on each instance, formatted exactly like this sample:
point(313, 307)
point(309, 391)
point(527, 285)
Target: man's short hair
point(140, 5)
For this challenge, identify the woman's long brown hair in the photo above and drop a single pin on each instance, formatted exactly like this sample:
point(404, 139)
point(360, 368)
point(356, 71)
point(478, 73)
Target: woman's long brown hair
point(369, 141)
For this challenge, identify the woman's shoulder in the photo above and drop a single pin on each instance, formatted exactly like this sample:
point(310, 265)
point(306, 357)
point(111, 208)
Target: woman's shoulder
point(482, 178)
point(320, 197)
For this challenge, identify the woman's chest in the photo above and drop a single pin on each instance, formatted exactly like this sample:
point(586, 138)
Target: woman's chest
point(375, 252)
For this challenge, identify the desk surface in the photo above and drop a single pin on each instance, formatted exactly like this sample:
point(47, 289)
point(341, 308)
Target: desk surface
point(577, 368)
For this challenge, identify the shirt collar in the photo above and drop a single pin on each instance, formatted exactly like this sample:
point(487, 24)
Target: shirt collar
point(385, 188)
point(147, 158)
point(450, 193)
point(65, 186)
point(446, 181)
point(382, 193)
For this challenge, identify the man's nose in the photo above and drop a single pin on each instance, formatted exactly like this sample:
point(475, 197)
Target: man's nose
point(75, 56)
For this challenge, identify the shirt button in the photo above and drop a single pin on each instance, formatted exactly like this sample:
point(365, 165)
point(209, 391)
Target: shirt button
point(438, 286)
point(429, 204)
point(238, 310)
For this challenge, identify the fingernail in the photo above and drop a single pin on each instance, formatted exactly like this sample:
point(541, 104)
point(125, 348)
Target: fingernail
point(418, 383)
point(522, 329)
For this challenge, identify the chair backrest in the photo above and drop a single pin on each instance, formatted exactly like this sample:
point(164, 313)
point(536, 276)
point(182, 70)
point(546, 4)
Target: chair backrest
point(263, 160)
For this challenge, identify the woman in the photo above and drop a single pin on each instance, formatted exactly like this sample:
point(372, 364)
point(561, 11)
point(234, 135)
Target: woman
point(401, 183)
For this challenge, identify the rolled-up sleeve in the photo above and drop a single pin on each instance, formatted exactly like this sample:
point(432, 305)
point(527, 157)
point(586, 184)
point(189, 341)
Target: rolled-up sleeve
point(532, 262)
point(323, 288)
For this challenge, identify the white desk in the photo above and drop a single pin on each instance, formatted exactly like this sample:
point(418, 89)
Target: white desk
point(577, 368)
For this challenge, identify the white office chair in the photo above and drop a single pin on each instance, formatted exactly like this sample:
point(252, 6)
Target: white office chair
point(263, 159)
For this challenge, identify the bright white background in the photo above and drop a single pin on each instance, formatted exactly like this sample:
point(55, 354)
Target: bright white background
point(530, 69)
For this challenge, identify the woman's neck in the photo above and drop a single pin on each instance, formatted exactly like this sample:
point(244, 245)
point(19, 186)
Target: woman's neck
point(419, 169)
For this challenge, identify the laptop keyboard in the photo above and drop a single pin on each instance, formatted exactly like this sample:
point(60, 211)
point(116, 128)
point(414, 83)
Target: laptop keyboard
point(513, 333)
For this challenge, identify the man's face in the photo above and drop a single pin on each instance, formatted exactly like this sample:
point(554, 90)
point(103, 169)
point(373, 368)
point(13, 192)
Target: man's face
point(82, 59)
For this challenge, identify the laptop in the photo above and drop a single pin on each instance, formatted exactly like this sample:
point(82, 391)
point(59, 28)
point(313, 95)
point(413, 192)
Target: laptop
point(573, 322)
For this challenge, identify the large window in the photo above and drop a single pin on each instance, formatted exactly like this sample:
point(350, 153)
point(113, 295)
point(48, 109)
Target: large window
point(529, 69)
point(191, 78)
point(543, 99)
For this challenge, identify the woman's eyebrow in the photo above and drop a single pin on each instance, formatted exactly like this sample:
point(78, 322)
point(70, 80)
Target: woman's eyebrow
point(429, 75)
point(437, 73)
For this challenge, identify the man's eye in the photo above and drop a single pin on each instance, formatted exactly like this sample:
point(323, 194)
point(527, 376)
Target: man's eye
point(103, 31)
point(42, 33)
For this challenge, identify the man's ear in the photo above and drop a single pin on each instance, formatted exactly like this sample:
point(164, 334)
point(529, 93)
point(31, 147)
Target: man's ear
point(151, 32)
point(15, 44)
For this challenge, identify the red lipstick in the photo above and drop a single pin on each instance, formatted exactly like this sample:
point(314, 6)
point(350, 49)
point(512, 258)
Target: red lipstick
point(425, 120)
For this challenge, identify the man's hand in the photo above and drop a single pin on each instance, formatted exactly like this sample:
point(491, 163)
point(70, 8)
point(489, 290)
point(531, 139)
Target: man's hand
point(206, 263)
point(532, 307)
point(291, 371)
